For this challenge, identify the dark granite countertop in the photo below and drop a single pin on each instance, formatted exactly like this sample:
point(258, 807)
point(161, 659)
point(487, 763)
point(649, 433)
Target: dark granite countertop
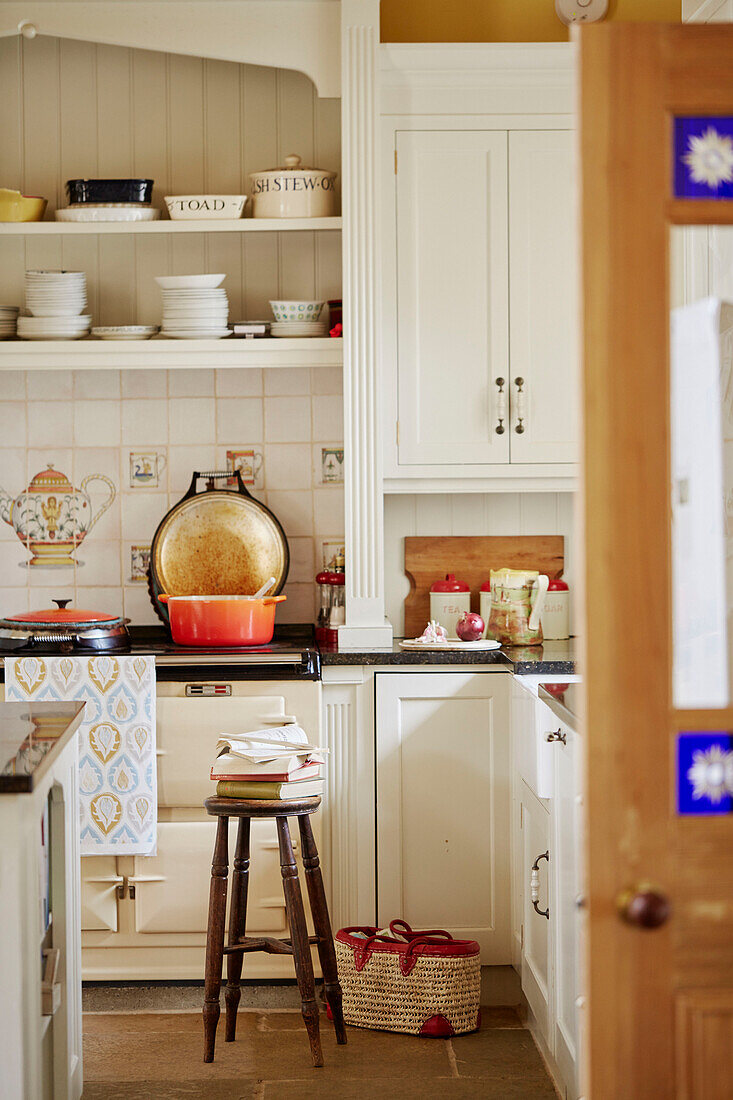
point(549, 659)
point(31, 737)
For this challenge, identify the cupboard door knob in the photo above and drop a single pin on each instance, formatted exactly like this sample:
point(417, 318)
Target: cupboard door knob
point(644, 906)
point(534, 885)
point(500, 406)
point(520, 405)
point(557, 735)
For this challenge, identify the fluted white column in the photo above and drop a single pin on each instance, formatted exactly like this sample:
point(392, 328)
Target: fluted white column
point(365, 622)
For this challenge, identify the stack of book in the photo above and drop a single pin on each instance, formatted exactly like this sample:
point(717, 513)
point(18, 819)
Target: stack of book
point(277, 763)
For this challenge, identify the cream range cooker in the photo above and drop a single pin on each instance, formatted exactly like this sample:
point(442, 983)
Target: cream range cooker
point(145, 917)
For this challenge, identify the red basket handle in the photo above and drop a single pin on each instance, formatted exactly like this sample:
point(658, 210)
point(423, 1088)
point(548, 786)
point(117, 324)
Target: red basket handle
point(408, 933)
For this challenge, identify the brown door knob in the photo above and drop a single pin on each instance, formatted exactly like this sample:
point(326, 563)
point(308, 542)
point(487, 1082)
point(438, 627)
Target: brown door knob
point(644, 906)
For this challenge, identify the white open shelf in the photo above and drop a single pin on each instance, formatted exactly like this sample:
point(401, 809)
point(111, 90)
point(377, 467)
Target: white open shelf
point(203, 225)
point(160, 353)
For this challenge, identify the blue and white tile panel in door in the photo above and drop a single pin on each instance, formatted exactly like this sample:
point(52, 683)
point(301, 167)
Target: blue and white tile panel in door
point(703, 157)
point(117, 764)
point(705, 773)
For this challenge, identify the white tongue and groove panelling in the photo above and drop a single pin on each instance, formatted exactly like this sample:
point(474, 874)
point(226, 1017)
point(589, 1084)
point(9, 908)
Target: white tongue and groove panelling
point(468, 514)
point(78, 109)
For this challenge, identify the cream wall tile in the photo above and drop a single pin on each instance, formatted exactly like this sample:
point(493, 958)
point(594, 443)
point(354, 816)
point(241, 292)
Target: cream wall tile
point(100, 598)
point(287, 381)
point(239, 382)
point(191, 383)
point(55, 583)
point(97, 460)
point(50, 423)
point(14, 385)
point(288, 420)
point(14, 601)
point(327, 380)
point(91, 384)
point(302, 561)
point(144, 383)
point(145, 421)
point(300, 606)
point(192, 419)
point(138, 607)
point(13, 424)
point(101, 563)
point(287, 466)
point(96, 423)
point(13, 558)
point(142, 514)
point(184, 460)
point(294, 510)
point(49, 385)
point(239, 419)
point(328, 510)
point(328, 417)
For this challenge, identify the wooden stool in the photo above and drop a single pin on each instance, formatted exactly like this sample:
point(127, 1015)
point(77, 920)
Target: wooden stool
point(298, 945)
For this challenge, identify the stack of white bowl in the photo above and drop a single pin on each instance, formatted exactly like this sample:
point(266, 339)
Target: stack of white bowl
point(296, 317)
point(8, 317)
point(195, 307)
point(55, 300)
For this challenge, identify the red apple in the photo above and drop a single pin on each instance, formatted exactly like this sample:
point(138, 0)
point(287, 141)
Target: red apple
point(470, 627)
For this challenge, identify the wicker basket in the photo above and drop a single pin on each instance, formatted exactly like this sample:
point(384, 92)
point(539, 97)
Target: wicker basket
point(421, 983)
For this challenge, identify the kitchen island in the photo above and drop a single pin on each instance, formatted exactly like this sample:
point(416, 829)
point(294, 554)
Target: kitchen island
point(40, 948)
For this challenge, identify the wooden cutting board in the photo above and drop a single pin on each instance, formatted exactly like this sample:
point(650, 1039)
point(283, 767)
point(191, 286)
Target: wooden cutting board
point(428, 559)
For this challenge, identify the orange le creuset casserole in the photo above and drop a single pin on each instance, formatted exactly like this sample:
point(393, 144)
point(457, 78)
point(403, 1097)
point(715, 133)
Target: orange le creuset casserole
point(222, 620)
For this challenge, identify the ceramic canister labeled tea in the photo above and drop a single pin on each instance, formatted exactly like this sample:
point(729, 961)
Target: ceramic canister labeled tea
point(449, 601)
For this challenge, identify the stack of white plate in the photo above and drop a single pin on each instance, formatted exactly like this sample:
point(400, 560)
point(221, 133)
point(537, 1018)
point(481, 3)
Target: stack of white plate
point(8, 317)
point(54, 328)
point(299, 328)
point(195, 307)
point(55, 300)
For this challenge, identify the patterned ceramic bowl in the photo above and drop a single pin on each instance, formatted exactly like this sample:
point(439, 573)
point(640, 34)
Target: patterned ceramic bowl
point(296, 311)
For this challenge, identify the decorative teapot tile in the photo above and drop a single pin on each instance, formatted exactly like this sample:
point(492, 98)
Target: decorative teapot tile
point(52, 518)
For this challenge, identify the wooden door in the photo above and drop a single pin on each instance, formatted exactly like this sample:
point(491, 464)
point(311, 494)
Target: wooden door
point(452, 275)
point(660, 998)
point(543, 297)
point(443, 805)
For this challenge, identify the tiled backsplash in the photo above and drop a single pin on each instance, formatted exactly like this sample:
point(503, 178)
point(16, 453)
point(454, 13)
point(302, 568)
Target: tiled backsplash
point(145, 432)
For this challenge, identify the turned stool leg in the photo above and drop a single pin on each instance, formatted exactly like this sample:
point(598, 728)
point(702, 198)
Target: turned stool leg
point(299, 935)
point(237, 922)
point(215, 936)
point(322, 922)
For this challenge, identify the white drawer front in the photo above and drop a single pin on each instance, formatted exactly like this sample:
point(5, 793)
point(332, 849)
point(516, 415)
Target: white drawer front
point(172, 888)
point(188, 730)
point(99, 881)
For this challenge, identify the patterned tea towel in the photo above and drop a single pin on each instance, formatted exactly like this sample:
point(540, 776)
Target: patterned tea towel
point(117, 781)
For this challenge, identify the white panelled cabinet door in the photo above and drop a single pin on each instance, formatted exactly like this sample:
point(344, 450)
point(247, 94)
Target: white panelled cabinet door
point(543, 297)
point(443, 805)
point(452, 319)
point(537, 928)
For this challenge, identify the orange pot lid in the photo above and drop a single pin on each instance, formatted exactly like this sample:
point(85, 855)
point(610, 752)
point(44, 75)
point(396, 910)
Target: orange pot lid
point(62, 615)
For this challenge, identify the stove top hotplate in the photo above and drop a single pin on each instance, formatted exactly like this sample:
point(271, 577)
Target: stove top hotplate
point(292, 654)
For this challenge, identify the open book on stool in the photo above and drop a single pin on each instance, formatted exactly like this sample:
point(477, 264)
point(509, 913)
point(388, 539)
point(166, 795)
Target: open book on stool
point(276, 763)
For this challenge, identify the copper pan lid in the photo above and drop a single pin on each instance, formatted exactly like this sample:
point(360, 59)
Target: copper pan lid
point(217, 543)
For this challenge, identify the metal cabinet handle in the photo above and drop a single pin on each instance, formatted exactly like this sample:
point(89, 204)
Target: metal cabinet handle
point(557, 735)
point(500, 406)
point(520, 406)
point(534, 885)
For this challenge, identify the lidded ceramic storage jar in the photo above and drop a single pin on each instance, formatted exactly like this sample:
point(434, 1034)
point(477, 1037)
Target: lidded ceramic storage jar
point(555, 613)
point(449, 601)
point(485, 604)
point(293, 191)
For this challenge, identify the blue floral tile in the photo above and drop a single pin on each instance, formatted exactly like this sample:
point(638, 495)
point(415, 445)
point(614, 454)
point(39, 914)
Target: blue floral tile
point(705, 773)
point(703, 157)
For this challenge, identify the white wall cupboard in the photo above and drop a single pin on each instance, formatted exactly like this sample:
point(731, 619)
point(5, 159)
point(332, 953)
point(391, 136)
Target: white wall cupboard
point(480, 277)
point(442, 743)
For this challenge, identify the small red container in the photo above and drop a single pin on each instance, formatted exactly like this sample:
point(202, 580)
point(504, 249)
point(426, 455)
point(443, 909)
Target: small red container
point(230, 621)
